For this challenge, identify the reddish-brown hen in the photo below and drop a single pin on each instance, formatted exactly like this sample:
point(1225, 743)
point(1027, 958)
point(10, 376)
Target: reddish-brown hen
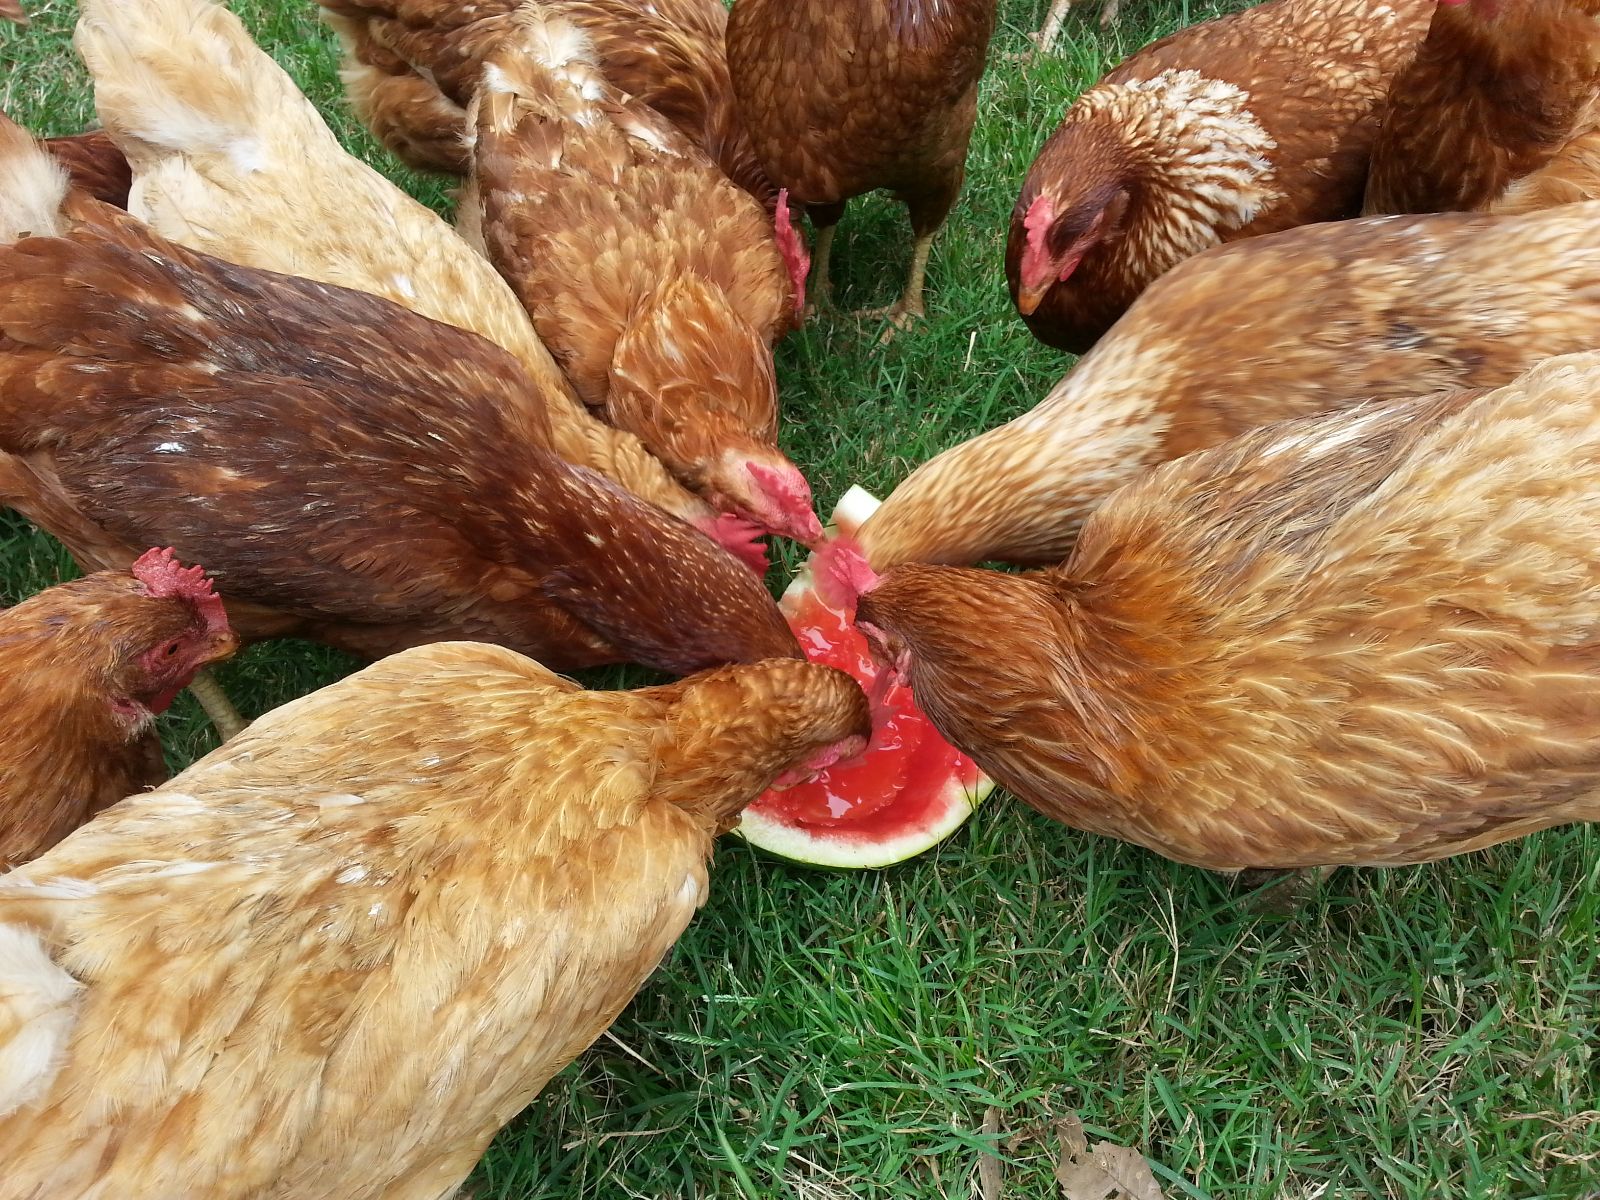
point(1369, 638)
point(95, 164)
point(412, 66)
point(331, 959)
point(653, 280)
point(350, 471)
point(84, 668)
point(1274, 327)
point(1250, 123)
point(843, 97)
point(1498, 92)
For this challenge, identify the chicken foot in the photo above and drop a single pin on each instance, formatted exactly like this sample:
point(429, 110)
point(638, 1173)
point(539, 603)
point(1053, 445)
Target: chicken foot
point(218, 707)
point(1281, 893)
point(907, 310)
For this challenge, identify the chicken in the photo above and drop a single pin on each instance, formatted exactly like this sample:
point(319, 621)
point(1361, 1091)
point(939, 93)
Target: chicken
point(1053, 20)
point(412, 67)
point(653, 279)
point(230, 159)
point(351, 472)
point(1274, 327)
point(843, 97)
point(1248, 124)
point(1495, 93)
point(12, 10)
point(330, 960)
point(86, 666)
point(1369, 637)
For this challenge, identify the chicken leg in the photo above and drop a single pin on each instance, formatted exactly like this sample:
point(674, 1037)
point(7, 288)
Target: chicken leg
point(218, 707)
point(907, 310)
point(1052, 25)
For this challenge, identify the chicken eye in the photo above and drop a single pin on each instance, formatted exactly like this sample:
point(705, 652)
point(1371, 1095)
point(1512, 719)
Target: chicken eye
point(172, 648)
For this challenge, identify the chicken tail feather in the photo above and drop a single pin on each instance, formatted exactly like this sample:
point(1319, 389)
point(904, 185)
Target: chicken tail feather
point(32, 186)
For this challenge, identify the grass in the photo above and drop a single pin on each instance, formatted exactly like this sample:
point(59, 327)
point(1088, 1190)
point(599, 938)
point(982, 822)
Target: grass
point(1418, 1033)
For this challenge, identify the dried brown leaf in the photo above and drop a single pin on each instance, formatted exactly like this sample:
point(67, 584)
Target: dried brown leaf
point(991, 1172)
point(1104, 1171)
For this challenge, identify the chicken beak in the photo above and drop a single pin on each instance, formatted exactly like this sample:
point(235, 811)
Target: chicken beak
point(223, 644)
point(1029, 298)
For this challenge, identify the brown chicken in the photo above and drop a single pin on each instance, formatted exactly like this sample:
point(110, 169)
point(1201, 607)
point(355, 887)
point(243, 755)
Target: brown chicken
point(412, 66)
point(330, 960)
point(843, 97)
point(1369, 638)
point(1497, 92)
point(1274, 327)
point(653, 279)
point(1247, 124)
point(84, 668)
point(231, 159)
point(350, 471)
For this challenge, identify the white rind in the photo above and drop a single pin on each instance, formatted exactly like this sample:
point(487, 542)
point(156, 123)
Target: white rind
point(854, 509)
point(816, 848)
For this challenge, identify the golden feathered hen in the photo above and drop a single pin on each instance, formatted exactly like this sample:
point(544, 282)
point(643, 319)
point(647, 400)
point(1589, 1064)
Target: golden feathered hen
point(653, 279)
point(1369, 638)
point(351, 472)
point(1261, 330)
point(1501, 99)
point(331, 959)
point(1251, 123)
point(231, 159)
point(84, 668)
point(412, 66)
point(843, 97)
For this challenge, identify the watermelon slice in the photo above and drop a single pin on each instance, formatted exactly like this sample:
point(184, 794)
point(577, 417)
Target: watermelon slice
point(908, 792)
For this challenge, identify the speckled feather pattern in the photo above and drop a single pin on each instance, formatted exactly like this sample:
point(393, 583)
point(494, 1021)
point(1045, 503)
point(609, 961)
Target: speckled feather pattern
point(683, 290)
point(1488, 100)
point(843, 97)
point(234, 161)
point(667, 54)
point(1235, 338)
point(1251, 123)
point(167, 398)
point(331, 959)
point(1369, 637)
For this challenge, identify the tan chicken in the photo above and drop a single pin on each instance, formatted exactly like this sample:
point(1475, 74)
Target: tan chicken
point(231, 159)
point(412, 66)
point(85, 667)
point(653, 279)
point(1261, 330)
point(1369, 637)
point(1253, 122)
point(331, 959)
point(844, 97)
point(1499, 94)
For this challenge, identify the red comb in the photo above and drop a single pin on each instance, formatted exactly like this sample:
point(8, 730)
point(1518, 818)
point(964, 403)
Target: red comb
point(740, 537)
point(842, 574)
point(163, 576)
point(793, 248)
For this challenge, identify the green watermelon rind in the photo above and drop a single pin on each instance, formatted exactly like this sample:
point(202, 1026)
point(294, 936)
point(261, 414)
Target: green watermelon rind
point(843, 851)
point(815, 848)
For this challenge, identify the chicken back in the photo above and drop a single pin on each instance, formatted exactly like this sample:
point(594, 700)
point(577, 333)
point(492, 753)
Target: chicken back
point(1369, 637)
point(1280, 326)
point(351, 471)
point(331, 959)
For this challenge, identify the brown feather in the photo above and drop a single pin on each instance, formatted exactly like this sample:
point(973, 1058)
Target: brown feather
point(1368, 637)
point(1251, 123)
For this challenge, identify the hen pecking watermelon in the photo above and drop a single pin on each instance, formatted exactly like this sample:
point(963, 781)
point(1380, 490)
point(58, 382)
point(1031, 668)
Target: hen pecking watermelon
point(909, 791)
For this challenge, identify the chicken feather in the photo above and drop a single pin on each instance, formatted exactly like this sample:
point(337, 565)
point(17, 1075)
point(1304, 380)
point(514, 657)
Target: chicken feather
point(332, 958)
point(1369, 637)
point(166, 397)
point(1273, 327)
point(683, 291)
point(231, 159)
